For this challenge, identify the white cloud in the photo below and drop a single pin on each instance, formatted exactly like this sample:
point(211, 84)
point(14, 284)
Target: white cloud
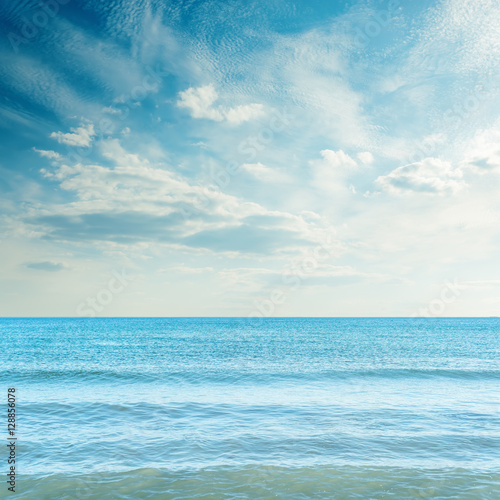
point(432, 176)
point(200, 102)
point(365, 157)
point(337, 160)
point(481, 284)
point(263, 173)
point(51, 155)
point(330, 172)
point(322, 274)
point(154, 194)
point(80, 136)
point(187, 270)
point(334, 99)
point(111, 110)
point(483, 153)
point(244, 113)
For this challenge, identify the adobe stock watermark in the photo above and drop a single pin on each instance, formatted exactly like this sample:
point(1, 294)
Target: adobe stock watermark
point(455, 117)
point(32, 25)
point(449, 293)
point(150, 83)
point(121, 108)
point(105, 296)
point(249, 148)
point(252, 145)
point(377, 22)
point(292, 278)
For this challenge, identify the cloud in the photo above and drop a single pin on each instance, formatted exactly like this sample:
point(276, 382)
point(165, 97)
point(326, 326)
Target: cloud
point(152, 190)
point(51, 155)
point(481, 284)
point(199, 101)
point(365, 157)
point(467, 31)
point(430, 176)
point(246, 239)
point(111, 110)
point(244, 113)
point(307, 70)
point(483, 153)
point(46, 266)
point(81, 136)
point(135, 199)
point(337, 161)
point(263, 173)
point(187, 270)
point(120, 227)
point(331, 172)
point(321, 275)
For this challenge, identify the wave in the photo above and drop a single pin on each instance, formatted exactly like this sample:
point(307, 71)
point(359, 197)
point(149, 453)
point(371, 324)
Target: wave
point(261, 482)
point(239, 376)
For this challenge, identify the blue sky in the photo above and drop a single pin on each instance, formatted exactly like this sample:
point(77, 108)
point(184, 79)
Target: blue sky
point(250, 158)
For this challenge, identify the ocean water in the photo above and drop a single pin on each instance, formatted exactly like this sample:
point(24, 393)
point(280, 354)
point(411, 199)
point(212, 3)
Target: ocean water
point(220, 408)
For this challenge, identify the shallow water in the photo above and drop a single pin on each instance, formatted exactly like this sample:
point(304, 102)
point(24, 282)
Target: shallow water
point(281, 408)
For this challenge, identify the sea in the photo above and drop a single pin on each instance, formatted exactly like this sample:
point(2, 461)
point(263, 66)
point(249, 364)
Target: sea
point(232, 408)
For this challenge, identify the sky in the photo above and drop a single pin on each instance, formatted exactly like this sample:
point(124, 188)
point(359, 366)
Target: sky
point(249, 158)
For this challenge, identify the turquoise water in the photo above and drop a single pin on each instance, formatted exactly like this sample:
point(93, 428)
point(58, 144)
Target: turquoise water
point(220, 408)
